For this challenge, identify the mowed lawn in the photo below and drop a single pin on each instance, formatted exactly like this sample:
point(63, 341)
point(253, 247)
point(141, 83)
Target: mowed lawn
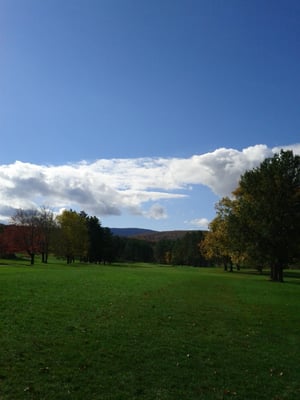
point(147, 332)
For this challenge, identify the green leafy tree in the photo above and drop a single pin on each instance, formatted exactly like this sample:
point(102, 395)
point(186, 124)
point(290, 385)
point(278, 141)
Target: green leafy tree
point(95, 239)
point(186, 250)
point(265, 218)
point(118, 245)
point(109, 246)
point(163, 251)
point(138, 250)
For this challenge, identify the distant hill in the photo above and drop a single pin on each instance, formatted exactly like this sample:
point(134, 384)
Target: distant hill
point(129, 232)
point(148, 234)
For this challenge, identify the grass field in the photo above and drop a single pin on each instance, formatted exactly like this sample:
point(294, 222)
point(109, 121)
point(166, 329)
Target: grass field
point(145, 332)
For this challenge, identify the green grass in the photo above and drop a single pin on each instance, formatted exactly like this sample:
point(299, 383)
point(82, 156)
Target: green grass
point(145, 332)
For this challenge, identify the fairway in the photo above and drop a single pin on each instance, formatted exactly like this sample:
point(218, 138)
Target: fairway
point(147, 332)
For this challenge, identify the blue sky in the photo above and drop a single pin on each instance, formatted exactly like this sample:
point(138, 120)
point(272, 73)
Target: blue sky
point(141, 112)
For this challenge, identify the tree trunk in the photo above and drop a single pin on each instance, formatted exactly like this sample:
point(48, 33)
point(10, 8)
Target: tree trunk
point(44, 257)
point(277, 272)
point(31, 258)
point(280, 273)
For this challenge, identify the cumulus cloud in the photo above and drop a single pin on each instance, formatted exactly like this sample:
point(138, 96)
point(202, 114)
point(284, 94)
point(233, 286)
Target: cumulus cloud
point(108, 187)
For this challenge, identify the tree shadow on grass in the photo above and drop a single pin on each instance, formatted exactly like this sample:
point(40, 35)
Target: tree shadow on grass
point(287, 274)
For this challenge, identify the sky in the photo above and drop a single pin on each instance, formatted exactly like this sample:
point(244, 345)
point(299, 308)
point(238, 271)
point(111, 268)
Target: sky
point(143, 113)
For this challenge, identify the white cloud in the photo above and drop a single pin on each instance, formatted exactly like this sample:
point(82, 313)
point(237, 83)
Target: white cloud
point(201, 223)
point(294, 147)
point(108, 187)
point(219, 170)
point(156, 212)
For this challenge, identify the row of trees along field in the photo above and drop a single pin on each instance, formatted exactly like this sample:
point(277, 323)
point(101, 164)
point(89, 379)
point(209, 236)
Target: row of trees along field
point(70, 235)
point(75, 235)
point(260, 224)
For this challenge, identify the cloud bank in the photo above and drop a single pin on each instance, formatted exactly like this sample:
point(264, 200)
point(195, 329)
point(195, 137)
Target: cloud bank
point(111, 186)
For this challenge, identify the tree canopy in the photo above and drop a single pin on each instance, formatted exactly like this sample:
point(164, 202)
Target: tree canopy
point(262, 221)
point(72, 236)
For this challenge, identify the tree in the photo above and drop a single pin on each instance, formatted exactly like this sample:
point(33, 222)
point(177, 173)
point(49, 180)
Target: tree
point(138, 250)
point(163, 251)
point(95, 238)
point(100, 241)
point(72, 237)
point(117, 246)
point(109, 246)
point(10, 241)
point(265, 218)
point(186, 250)
point(27, 235)
point(217, 243)
point(47, 226)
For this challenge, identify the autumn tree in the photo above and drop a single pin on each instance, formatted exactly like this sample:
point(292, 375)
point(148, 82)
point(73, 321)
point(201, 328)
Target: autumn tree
point(10, 242)
point(72, 235)
point(216, 244)
point(27, 235)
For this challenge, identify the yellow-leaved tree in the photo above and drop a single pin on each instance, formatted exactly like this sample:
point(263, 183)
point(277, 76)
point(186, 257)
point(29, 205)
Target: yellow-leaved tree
point(72, 235)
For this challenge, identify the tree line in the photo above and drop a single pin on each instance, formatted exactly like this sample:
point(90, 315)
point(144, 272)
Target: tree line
point(70, 235)
point(171, 251)
point(75, 235)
